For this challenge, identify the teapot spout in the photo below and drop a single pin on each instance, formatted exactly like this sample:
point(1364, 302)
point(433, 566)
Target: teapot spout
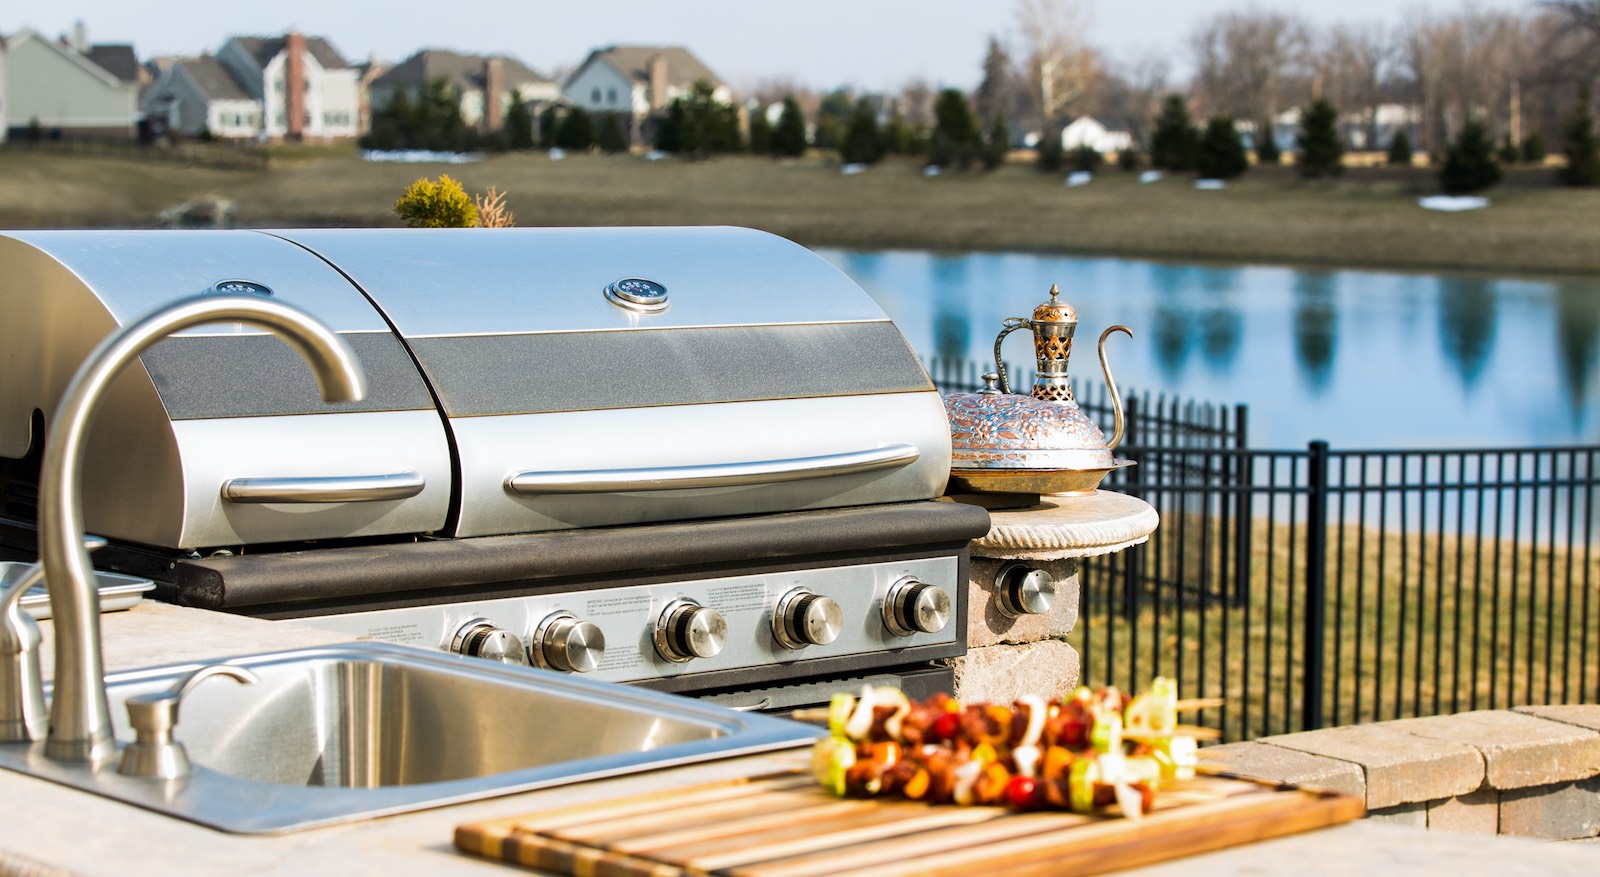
point(1121, 426)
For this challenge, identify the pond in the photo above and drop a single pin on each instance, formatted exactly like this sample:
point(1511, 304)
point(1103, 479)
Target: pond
point(1360, 359)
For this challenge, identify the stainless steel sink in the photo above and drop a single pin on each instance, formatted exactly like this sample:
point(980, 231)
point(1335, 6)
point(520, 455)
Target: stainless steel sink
point(340, 733)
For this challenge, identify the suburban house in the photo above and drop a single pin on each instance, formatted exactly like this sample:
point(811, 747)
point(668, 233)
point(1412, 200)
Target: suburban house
point(483, 83)
point(638, 81)
point(1088, 131)
point(58, 85)
point(2, 88)
point(306, 89)
point(195, 96)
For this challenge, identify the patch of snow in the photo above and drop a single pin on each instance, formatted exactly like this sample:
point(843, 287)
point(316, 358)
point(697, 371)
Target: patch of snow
point(1079, 178)
point(1453, 203)
point(1209, 185)
point(416, 156)
point(655, 155)
point(557, 153)
point(931, 170)
point(1150, 177)
point(854, 167)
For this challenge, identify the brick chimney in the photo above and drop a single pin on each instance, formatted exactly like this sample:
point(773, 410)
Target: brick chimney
point(494, 85)
point(294, 85)
point(658, 81)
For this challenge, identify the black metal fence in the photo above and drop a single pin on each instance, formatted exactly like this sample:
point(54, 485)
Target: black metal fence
point(1320, 587)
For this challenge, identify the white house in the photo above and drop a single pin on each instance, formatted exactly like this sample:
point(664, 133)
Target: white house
point(194, 95)
point(306, 88)
point(1088, 131)
point(2, 88)
point(59, 86)
point(474, 77)
point(639, 81)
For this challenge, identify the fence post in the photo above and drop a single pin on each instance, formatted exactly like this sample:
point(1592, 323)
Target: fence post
point(1316, 593)
point(1244, 479)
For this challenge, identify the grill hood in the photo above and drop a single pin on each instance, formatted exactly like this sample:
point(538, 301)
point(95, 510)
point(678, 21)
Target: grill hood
point(521, 380)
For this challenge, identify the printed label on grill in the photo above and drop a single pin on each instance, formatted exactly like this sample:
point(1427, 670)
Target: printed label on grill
point(625, 605)
point(727, 599)
point(407, 634)
point(620, 659)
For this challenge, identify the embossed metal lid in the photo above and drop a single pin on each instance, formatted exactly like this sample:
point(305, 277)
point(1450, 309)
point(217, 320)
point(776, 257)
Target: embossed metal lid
point(994, 430)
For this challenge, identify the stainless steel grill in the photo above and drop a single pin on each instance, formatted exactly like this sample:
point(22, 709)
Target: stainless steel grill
point(706, 449)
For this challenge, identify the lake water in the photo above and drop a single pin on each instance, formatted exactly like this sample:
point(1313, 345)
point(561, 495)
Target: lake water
point(1361, 359)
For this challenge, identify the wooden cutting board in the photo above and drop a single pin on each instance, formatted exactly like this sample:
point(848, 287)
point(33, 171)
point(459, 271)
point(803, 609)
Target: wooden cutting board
point(782, 825)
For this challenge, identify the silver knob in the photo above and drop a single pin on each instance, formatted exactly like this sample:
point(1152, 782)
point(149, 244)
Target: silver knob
point(562, 642)
point(685, 630)
point(912, 607)
point(802, 619)
point(1024, 590)
point(480, 638)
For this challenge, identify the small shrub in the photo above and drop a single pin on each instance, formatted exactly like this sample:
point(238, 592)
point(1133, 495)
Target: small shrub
point(998, 145)
point(1533, 148)
point(1469, 163)
point(1400, 149)
point(863, 141)
point(1508, 152)
point(1049, 158)
point(1267, 151)
point(1221, 155)
point(1583, 155)
point(1128, 159)
point(1321, 153)
point(1084, 158)
point(612, 140)
point(576, 132)
point(426, 204)
point(1174, 143)
point(492, 210)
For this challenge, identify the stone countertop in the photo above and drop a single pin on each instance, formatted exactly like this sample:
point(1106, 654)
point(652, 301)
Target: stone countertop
point(49, 829)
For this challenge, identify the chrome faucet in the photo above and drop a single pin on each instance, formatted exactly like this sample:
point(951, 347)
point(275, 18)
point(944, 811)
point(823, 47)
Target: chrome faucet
point(80, 715)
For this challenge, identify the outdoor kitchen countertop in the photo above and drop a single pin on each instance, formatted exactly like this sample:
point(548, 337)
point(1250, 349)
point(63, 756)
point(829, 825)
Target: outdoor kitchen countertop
point(47, 829)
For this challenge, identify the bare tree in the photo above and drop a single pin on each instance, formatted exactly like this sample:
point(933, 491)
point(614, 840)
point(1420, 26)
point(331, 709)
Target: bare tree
point(916, 100)
point(1247, 62)
point(1351, 64)
point(1133, 92)
point(995, 94)
point(1062, 68)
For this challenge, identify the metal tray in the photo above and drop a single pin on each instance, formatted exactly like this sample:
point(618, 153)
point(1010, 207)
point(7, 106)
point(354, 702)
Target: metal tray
point(117, 592)
point(1068, 482)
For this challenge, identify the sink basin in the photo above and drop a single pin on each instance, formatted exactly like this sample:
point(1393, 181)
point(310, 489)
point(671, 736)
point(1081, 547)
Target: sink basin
point(340, 733)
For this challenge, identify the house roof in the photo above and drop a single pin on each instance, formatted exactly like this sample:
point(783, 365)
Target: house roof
point(264, 49)
point(683, 68)
point(213, 79)
point(71, 54)
point(465, 72)
point(118, 60)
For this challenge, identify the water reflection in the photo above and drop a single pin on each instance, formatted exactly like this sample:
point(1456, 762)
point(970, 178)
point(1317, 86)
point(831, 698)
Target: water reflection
point(1466, 324)
point(1577, 330)
point(1361, 359)
point(1316, 327)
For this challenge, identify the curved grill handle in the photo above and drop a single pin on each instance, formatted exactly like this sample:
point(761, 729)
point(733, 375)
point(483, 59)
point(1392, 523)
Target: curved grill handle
point(335, 488)
point(755, 472)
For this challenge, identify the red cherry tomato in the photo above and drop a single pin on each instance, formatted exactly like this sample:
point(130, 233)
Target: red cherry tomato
point(1020, 792)
point(947, 726)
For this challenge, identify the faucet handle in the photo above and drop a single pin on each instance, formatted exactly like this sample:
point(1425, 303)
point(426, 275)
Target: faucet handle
point(154, 754)
point(23, 718)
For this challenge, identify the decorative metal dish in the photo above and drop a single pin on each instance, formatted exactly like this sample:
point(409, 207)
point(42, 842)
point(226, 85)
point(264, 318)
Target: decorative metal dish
point(1065, 482)
point(117, 592)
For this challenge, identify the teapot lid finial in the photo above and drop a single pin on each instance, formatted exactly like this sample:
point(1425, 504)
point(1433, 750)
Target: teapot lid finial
point(1055, 310)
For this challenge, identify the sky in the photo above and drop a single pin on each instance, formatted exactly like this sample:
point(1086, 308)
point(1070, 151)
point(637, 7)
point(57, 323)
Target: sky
point(872, 45)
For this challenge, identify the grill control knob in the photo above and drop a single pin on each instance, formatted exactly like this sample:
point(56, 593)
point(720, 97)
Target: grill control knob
point(1024, 590)
point(479, 638)
point(802, 619)
point(915, 607)
point(685, 630)
point(562, 642)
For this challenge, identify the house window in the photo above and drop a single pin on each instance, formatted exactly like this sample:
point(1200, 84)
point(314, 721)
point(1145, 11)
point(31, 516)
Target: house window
point(611, 96)
point(594, 96)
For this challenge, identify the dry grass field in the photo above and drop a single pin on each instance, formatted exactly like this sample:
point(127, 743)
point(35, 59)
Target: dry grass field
point(1368, 218)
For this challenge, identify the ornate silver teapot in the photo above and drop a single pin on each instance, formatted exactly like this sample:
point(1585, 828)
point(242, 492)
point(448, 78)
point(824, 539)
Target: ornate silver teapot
point(1003, 442)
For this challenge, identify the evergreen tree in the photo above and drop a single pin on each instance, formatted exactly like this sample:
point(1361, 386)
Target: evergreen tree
point(994, 91)
point(1321, 154)
point(1533, 149)
point(1509, 152)
point(611, 139)
point(898, 138)
point(519, 123)
point(576, 132)
point(789, 138)
point(863, 142)
point(1469, 163)
point(760, 133)
point(1267, 151)
point(956, 141)
point(437, 122)
point(1400, 149)
point(669, 131)
point(391, 124)
point(698, 125)
point(1085, 158)
point(1128, 159)
point(1049, 155)
point(997, 145)
point(833, 119)
point(1221, 154)
point(1583, 155)
point(1174, 142)
point(549, 122)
